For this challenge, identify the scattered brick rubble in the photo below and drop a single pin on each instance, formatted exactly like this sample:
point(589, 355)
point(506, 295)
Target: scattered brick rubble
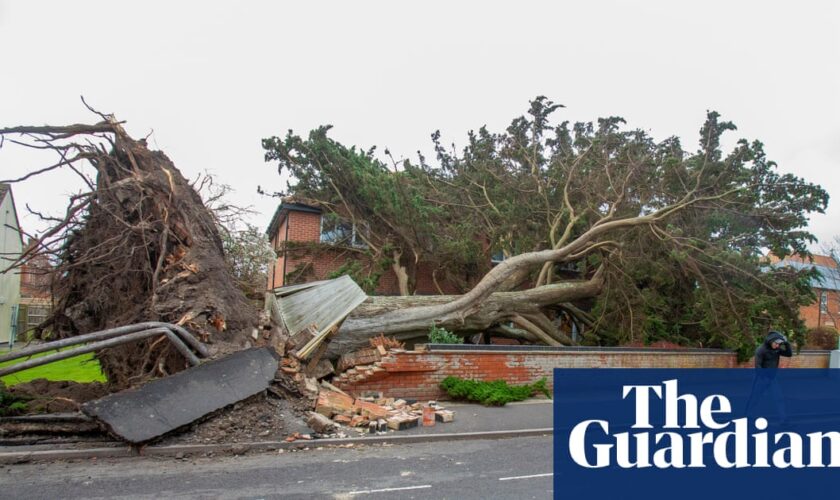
point(372, 413)
point(334, 412)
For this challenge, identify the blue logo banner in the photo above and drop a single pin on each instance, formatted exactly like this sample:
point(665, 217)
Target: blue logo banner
point(696, 433)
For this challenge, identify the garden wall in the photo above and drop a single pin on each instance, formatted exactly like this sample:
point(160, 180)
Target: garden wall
point(417, 374)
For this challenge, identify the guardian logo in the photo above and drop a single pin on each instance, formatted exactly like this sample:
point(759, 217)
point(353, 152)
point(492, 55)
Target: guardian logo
point(651, 433)
point(670, 449)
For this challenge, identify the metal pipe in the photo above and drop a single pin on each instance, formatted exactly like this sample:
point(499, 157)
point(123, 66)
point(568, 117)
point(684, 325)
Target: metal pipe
point(106, 334)
point(131, 337)
point(189, 339)
point(182, 348)
point(78, 339)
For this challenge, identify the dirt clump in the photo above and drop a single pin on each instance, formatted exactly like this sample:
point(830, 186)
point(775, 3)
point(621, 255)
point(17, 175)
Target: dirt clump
point(48, 396)
point(259, 418)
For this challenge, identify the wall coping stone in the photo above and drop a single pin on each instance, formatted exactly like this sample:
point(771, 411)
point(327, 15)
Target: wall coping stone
point(537, 349)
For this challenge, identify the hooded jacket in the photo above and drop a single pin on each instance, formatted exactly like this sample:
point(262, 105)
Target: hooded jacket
point(766, 356)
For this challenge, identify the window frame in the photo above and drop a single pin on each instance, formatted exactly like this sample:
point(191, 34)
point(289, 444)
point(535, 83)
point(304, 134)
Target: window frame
point(823, 301)
point(352, 239)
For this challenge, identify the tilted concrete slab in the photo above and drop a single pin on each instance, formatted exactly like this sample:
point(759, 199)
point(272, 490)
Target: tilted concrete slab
point(161, 406)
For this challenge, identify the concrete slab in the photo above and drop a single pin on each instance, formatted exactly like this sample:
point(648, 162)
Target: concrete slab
point(161, 406)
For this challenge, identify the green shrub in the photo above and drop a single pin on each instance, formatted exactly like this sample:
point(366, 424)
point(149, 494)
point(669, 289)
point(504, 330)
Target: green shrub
point(495, 393)
point(443, 336)
point(821, 337)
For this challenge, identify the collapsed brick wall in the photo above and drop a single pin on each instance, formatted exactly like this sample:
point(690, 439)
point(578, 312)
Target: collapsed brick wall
point(417, 375)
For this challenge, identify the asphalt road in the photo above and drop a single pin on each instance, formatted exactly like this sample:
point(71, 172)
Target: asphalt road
point(507, 468)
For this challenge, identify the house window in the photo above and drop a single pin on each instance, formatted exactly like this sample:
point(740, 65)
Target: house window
point(336, 231)
point(823, 302)
point(36, 315)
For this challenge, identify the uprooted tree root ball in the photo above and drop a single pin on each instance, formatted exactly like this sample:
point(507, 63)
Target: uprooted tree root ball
point(140, 245)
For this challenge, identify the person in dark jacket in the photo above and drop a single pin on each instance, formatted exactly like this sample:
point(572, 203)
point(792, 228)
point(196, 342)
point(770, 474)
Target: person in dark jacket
point(767, 356)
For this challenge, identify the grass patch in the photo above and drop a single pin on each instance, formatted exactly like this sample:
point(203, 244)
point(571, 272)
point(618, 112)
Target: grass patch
point(495, 393)
point(82, 368)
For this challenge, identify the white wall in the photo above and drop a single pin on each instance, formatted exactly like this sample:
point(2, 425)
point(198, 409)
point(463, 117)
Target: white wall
point(10, 249)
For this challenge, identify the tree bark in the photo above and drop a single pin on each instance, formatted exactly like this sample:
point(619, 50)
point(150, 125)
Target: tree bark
point(397, 316)
point(401, 273)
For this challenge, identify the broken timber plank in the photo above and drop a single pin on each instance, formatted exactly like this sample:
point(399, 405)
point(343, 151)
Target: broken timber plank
point(163, 405)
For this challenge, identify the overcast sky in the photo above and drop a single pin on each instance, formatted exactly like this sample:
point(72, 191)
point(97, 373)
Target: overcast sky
point(210, 79)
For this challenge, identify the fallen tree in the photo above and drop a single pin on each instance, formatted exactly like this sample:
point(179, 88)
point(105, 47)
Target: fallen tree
point(664, 244)
point(525, 309)
point(138, 245)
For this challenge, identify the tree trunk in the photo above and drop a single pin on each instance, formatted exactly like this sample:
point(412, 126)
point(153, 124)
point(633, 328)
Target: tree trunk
point(401, 273)
point(398, 316)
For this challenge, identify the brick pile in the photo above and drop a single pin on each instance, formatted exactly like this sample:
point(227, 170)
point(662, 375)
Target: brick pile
point(372, 413)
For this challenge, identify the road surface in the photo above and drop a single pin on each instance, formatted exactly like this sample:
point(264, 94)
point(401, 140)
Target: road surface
point(505, 468)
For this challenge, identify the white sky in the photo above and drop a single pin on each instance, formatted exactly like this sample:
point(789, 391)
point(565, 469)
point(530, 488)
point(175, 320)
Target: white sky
point(213, 78)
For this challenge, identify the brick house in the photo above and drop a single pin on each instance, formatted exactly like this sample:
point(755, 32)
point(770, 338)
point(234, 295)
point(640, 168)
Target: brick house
point(825, 311)
point(35, 291)
point(311, 245)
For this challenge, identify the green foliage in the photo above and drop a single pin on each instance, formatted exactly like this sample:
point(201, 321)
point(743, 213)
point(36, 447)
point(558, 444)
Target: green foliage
point(438, 335)
point(697, 276)
point(404, 224)
point(367, 277)
point(495, 393)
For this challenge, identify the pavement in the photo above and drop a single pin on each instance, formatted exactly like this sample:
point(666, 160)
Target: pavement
point(472, 422)
point(530, 414)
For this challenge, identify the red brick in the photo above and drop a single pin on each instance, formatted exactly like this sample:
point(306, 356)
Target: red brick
point(522, 368)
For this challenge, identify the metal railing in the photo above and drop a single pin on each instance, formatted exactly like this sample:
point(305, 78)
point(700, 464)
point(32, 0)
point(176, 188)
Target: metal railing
point(183, 341)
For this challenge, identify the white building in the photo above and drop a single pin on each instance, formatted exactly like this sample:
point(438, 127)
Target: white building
point(11, 246)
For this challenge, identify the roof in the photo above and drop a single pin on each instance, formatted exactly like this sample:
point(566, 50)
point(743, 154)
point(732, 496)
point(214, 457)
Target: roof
point(829, 278)
point(820, 260)
point(4, 190)
point(283, 211)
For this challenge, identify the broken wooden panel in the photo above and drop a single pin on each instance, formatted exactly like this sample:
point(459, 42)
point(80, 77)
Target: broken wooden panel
point(161, 406)
point(324, 305)
point(301, 338)
point(282, 291)
point(272, 308)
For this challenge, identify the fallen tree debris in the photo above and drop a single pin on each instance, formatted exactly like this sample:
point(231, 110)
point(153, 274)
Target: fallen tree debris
point(140, 245)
